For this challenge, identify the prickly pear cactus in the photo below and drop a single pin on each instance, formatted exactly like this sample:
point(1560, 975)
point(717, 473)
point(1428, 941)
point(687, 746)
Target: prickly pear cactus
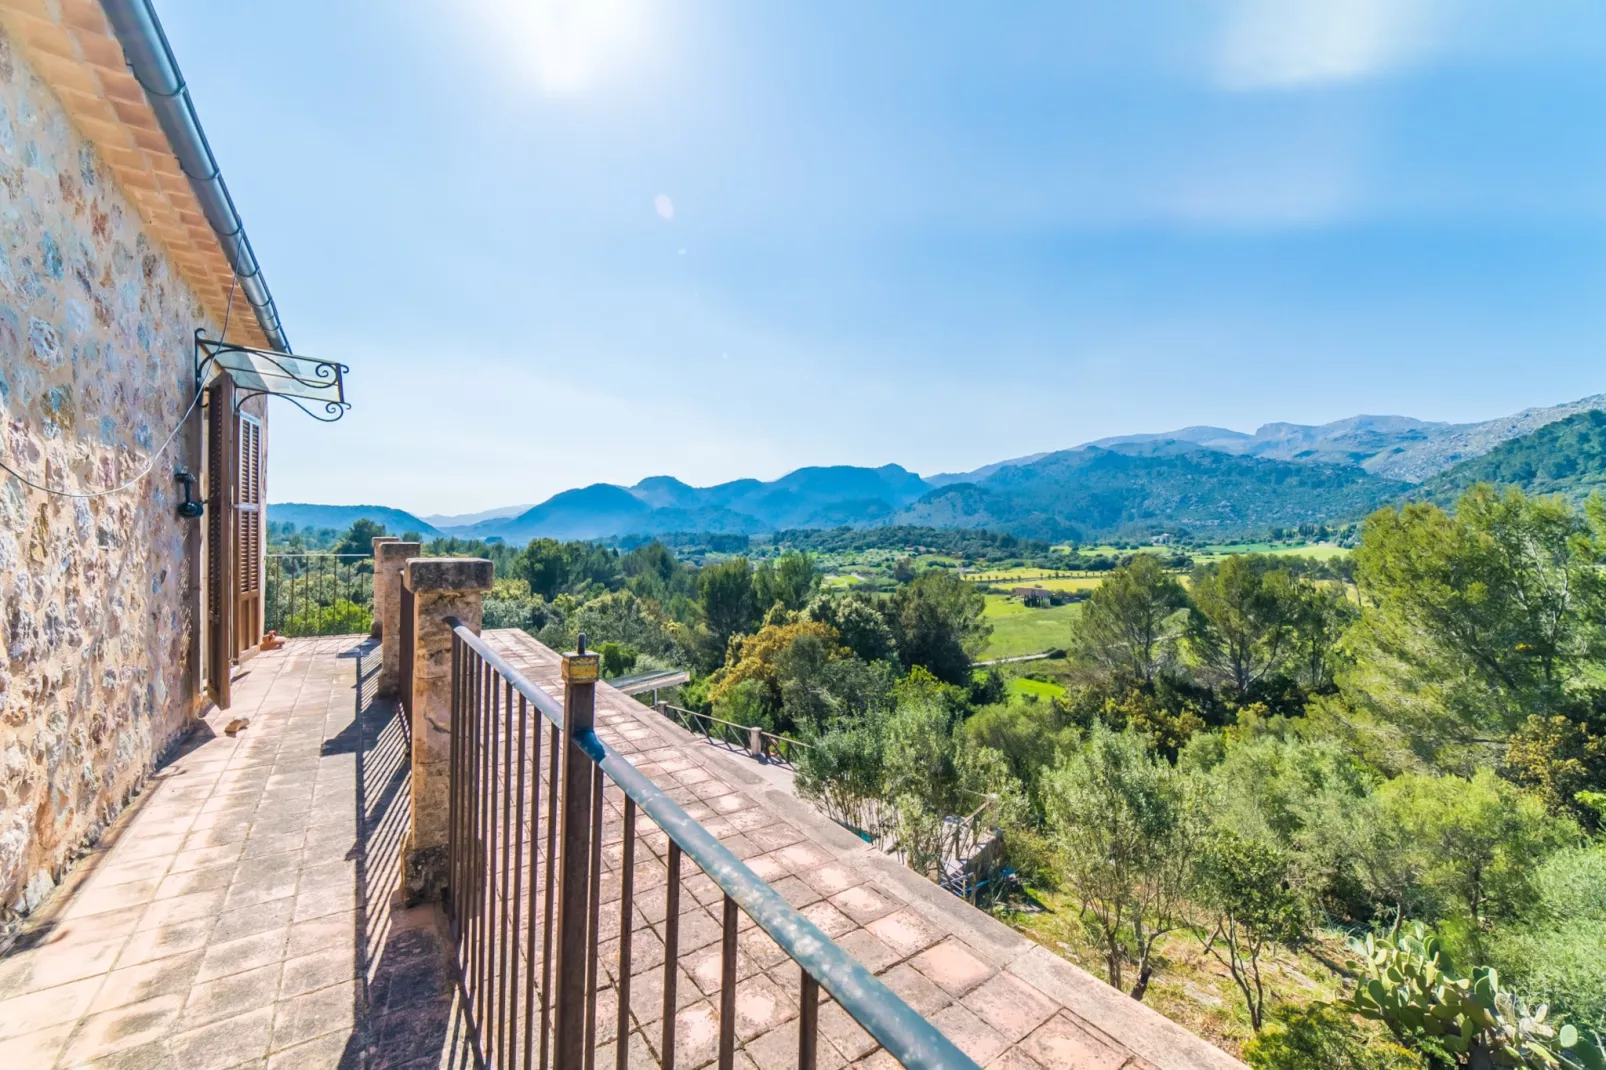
point(1408, 983)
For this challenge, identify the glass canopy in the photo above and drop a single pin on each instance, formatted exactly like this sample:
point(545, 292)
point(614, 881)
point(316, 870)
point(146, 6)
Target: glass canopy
point(306, 383)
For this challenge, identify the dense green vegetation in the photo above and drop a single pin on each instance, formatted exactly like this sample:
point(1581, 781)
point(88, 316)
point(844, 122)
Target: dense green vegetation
point(1153, 488)
point(1258, 760)
point(1242, 761)
point(1567, 457)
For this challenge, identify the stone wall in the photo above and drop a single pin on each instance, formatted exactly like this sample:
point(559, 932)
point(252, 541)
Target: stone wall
point(98, 598)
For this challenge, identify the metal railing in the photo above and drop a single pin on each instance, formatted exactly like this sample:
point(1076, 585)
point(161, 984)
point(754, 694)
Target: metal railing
point(754, 741)
point(318, 593)
point(554, 837)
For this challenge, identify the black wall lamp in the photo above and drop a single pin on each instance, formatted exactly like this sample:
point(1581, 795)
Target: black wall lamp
point(189, 508)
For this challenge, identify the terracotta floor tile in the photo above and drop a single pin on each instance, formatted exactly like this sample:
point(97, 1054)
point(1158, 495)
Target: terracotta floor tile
point(227, 1043)
point(124, 1027)
point(1010, 1005)
point(226, 997)
point(969, 1033)
point(317, 970)
point(952, 966)
point(247, 953)
point(304, 1017)
point(36, 1049)
point(52, 1006)
point(1062, 1042)
point(47, 967)
point(905, 931)
point(165, 940)
point(134, 984)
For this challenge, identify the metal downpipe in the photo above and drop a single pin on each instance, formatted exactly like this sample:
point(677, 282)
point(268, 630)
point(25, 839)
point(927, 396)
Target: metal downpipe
point(151, 60)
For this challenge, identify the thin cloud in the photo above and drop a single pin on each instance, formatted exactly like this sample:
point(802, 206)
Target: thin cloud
point(1273, 44)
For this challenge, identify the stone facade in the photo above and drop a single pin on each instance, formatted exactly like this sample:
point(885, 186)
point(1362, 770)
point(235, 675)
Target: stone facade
point(99, 597)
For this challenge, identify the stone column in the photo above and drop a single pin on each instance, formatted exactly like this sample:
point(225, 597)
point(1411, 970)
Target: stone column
point(379, 606)
point(442, 587)
point(389, 560)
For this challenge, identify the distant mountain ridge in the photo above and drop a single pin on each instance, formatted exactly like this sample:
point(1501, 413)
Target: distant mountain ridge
point(1208, 479)
point(303, 515)
point(1567, 457)
point(1394, 447)
point(1151, 487)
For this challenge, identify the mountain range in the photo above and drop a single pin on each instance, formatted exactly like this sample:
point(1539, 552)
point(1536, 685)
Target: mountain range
point(1207, 481)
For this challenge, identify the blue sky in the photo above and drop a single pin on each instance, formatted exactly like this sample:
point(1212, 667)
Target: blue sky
point(569, 241)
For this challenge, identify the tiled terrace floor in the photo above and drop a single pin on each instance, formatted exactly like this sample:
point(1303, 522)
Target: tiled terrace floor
point(241, 914)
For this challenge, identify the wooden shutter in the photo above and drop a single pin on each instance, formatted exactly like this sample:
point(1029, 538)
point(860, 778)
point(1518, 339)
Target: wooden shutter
point(248, 533)
point(220, 472)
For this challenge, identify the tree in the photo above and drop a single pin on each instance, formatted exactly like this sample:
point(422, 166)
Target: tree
point(937, 623)
point(1562, 757)
point(1555, 951)
point(1242, 626)
point(918, 763)
point(858, 623)
point(1125, 630)
point(1475, 841)
point(1245, 884)
point(617, 659)
point(543, 566)
point(1122, 822)
point(757, 656)
point(841, 770)
point(359, 538)
point(789, 582)
point(1478, 619)
point(729, 607)
point(1321, 615)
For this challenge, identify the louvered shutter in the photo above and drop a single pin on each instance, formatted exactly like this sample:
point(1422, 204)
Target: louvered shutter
point(220, 471)
point(248, 534)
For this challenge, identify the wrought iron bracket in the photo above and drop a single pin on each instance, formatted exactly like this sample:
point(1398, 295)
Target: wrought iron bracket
point(302, 381)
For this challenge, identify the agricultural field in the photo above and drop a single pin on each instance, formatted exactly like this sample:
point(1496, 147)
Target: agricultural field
point(1018, 629)
point(1319, 551)
point(1039, 689)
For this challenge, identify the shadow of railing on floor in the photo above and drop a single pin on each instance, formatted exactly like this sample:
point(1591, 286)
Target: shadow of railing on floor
point(404, 999)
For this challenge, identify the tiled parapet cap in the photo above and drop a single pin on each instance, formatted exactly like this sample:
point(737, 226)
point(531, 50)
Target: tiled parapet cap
point(446, 573)
point(396, 551)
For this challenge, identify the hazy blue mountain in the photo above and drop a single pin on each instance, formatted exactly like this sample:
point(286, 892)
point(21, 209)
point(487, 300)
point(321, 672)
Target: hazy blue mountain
point(303, 515)
point(1149, 487)
point(444, 520)
point(1395, 447)
point(1209, 480)
point(1567, 457)
point(809, 497)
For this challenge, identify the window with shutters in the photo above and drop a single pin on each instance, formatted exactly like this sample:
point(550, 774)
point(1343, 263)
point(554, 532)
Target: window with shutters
point(248, 534)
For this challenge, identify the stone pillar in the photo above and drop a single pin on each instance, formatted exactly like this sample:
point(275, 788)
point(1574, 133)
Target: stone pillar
point(442, 587)
point(389, 560)
point(379, 606)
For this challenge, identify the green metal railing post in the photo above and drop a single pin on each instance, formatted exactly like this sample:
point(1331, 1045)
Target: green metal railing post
point(580, 672)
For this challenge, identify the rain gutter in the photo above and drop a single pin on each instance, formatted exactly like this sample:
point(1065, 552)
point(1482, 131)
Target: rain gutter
point(151, 60)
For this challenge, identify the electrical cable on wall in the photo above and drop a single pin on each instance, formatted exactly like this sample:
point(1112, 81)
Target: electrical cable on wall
point(150, 465)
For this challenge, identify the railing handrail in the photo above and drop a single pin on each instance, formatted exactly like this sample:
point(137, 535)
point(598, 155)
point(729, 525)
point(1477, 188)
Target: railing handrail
point(743, 727)
point(905, 1035)
point(312, 553)
point(707, 716)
